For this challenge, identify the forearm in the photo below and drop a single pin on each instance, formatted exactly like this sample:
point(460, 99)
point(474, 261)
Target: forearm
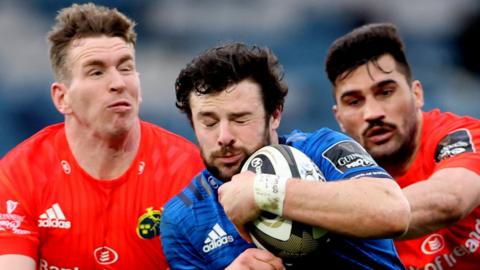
point(443, 199)
point(366, 207)
point(14, 262)
point(431, 210)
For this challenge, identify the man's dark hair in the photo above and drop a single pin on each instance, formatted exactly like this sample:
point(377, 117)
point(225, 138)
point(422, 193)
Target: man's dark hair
point(220, 67)
point(366, 44)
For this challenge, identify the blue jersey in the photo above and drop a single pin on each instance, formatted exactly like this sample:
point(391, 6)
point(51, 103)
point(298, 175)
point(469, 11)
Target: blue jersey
point(196, 233)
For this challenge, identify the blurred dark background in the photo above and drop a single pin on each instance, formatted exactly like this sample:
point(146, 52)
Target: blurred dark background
point(441, 38)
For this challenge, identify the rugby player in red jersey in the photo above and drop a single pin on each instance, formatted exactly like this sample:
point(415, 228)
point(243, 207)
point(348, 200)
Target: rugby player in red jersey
point(433, 155)
point(87, 193)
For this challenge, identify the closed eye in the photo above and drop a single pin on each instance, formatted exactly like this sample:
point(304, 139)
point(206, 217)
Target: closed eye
point(241, 121)
point(126, 66)
point(209, 122)
point(95, 73)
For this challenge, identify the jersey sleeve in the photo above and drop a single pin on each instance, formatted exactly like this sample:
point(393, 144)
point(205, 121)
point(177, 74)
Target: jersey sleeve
point(340, 157)
point(18, 228)
point(174, 235)
point(459, 149)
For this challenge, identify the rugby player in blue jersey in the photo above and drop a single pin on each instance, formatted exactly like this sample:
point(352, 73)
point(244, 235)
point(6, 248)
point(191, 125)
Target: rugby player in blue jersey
point(233, 96)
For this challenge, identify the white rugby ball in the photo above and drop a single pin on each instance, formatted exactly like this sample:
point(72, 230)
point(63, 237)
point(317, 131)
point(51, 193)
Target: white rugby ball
point(283, 237)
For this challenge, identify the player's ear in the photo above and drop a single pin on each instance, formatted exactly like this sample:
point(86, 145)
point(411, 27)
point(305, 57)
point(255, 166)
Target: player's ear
point(338, 117)
point(417, 90)
point(276, 118)
point(58, 92)
point(140, 92)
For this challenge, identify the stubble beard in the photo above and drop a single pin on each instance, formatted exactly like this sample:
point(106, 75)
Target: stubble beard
point(226, 175)
point(396, 159)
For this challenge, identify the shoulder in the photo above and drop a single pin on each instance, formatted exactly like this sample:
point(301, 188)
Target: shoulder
point(31, 166)
point(166, 145)
point(448, 134)
point(324, 136)
point(436, 121)
point(159, 134)
point(337, 155)
point(318, 141)
point(197, 196)
point(40, 146)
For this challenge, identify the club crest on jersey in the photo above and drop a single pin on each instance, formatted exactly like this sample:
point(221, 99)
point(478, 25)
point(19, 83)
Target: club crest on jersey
point(457, 142)
point(347, 155)
point(149, 223)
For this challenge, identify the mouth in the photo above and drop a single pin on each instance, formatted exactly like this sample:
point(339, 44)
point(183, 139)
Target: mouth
point(119, 106)
point(379, 134)
point(229, 159)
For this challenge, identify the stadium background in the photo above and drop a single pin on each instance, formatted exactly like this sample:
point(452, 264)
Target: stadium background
point(441, 38)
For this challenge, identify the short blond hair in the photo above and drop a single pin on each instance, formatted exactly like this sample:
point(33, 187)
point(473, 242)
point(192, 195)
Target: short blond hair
point(86, 20)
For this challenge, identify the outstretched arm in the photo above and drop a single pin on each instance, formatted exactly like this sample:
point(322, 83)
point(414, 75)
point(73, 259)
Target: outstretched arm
point(363, 207)
point(446, 197)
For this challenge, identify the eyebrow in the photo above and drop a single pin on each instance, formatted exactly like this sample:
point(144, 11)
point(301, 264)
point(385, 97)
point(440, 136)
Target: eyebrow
point(212, 114)
point(383, 83)
point(96, 62)
point(206, 114)
point(376, 85)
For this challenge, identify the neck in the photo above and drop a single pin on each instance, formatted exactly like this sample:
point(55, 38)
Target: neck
point(103, 156)
point(274, 137)
point(397, 165)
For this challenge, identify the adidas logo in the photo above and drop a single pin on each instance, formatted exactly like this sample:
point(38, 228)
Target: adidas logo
point(217, 237)
point(54, 218)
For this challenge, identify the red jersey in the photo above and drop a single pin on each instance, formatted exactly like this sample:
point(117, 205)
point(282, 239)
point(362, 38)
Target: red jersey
point(447, 141)
point(56, 213)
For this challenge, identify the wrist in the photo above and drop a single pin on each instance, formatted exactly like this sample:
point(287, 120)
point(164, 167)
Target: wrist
point(269, 192)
